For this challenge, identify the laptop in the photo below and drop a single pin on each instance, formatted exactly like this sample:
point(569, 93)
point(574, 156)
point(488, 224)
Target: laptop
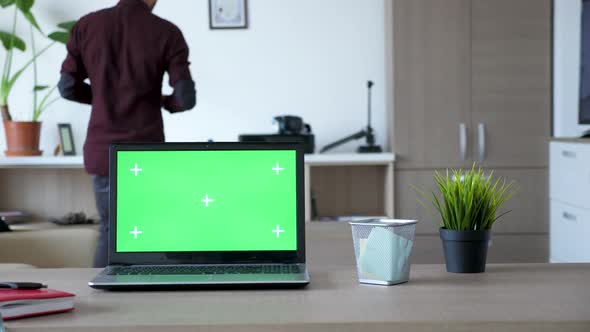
point(205, 214)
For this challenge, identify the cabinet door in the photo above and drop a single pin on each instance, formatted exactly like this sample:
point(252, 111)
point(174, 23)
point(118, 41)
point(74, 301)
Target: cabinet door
point(528, 207)
point(569, 171)
point(431, 81)
point(570, 227)
point(406, 199)
point(511, 82)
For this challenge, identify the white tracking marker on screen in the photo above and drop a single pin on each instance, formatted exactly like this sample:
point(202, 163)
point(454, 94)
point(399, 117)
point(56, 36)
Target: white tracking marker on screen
point(207, 200)
point(136, 169)
point(135, 232)
point(278, 169)
point(278, 231)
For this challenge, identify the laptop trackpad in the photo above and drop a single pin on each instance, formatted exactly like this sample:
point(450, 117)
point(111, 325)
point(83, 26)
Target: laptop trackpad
point(132, 279)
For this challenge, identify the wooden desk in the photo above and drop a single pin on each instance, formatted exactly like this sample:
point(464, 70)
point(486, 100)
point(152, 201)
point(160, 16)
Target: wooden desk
point(509, 297)
point(506, 298)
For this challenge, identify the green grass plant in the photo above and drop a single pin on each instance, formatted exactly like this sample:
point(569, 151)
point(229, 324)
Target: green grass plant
point(468, 199)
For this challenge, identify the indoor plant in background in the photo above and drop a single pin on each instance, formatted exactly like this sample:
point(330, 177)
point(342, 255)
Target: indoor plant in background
point(467, 204)
point(22, 137)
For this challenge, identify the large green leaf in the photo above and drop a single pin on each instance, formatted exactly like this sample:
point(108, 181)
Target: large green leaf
point(8, 40)
point(25, 5)
point(31, 18)
point(60, 37)
point(68, 26)
point(6, 3)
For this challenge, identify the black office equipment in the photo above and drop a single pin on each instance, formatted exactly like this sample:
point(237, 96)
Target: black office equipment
point(291, 129)
point(21, 285)
point(367, 133)
point(584, 106)
point(4, 227)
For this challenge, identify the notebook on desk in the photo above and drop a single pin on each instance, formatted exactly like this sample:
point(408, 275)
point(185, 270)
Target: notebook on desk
point(16, 304)
point(187, 215)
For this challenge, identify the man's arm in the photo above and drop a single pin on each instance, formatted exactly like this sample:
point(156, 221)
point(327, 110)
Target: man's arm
point(73, 90)
point(182, 99)
point(177, 65)
point(73, 73)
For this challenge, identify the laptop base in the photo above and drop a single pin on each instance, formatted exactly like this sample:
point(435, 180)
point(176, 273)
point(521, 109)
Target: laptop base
point(108, 281)
point(195, 287)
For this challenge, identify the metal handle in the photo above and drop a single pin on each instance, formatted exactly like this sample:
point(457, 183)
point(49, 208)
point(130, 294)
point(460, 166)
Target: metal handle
point(568, 154)
point(481, 140)
point(569, 216)
point(463, 141)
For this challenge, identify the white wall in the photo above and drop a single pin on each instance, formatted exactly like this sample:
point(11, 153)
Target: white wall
point(566, 70)
point(303, 57)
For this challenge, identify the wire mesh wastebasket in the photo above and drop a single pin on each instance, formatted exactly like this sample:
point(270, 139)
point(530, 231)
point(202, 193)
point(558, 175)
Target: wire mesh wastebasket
point(383, 248)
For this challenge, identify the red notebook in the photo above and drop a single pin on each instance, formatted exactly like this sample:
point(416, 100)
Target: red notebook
point(16, 304)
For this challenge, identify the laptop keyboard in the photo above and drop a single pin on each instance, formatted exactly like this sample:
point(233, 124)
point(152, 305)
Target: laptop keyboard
point(205, 269)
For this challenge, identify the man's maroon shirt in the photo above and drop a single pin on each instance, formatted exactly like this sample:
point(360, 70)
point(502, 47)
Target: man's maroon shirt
point(124, 51)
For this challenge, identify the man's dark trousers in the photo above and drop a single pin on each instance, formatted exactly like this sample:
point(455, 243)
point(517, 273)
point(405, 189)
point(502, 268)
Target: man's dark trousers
point(101, 195)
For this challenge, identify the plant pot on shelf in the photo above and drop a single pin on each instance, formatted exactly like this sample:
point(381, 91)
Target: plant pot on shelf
point(22, 138)
point(465, 251)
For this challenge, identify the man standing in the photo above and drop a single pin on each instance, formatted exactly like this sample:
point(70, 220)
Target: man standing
point(124, 51)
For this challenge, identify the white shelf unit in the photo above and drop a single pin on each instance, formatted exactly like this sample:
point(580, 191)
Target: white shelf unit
point(349, 159)
point(337, 160)
point(313, 160)
point(42, 162)
point(569, 191)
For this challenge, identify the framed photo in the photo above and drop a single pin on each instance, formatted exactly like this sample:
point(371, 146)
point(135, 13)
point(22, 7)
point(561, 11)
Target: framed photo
point(228, 14)
point(67, 139)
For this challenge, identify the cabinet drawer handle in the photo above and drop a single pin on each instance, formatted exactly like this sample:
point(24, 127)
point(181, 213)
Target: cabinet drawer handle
point(463, 141)
point(569, 216)
point(481, 139)
point(568, 154)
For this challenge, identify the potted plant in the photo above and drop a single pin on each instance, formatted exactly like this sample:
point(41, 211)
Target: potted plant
point(22, 137)
point(468, 205)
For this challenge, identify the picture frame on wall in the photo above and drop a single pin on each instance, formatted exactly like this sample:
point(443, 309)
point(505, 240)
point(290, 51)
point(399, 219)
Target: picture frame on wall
point(66, 139)
point(228, 14)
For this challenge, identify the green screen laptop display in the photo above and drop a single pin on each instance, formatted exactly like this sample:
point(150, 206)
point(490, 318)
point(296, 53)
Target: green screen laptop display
point(171, 201)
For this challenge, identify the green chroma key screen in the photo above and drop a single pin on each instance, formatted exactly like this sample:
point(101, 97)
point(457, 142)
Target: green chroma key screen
point(240, 200)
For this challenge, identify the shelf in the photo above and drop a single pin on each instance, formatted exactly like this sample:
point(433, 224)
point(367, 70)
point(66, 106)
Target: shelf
point(350, 159)
point(42, 162)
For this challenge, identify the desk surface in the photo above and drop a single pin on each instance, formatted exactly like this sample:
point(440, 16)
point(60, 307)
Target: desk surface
point(532, 297)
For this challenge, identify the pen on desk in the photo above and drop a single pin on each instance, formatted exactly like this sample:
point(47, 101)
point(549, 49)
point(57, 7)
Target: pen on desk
point(21, 285)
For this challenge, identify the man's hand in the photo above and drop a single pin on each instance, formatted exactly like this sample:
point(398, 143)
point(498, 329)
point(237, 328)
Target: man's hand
point(75, 90)
point(183, 99)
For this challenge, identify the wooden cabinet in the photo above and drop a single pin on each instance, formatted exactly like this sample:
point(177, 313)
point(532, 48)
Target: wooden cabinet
point(528, 208)
point(510, 82)
point(431, 49)
point(481, 64)
point(473, 76)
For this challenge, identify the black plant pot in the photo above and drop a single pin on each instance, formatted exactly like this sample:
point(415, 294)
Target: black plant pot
point(4, 227)
point(465, 251)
